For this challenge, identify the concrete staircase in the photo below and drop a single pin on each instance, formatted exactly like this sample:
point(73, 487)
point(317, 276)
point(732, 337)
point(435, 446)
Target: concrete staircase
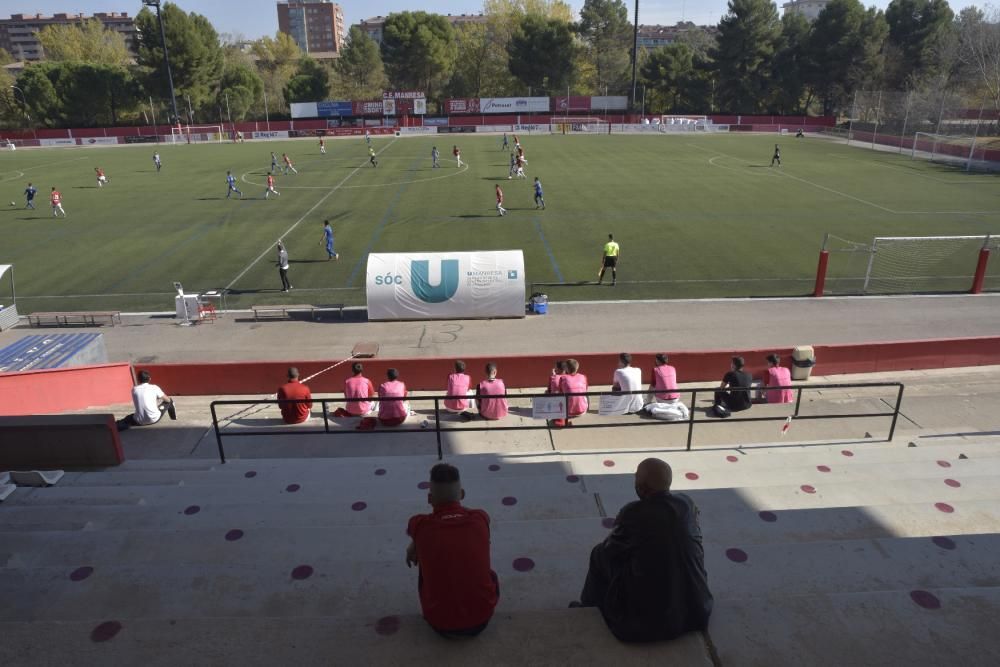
point(857, 554)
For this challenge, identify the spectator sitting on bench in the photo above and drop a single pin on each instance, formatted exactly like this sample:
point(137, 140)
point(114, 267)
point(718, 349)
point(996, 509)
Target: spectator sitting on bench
point(358, 386)
point(665, 404)
point(492, 408)
point(777, 376)
point(571, 383)
point(451, 546)
point(150, 403)
point(458, 385)
point(734, 390)
point(392, 412)
point(626, 378)
point(648, 576)
point(294, 413)
point(558, 371)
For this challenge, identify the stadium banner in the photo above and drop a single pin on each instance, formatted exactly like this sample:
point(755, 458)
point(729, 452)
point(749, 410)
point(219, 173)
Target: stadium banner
point(417, 129)
point(403, 94)
point(273, 134)
point(494, 128)
point(513, 104)
point(420, 106)
point(462, 105)
point(531, 128)
point(445, 285)
point(609, 103)
point(140, 139)
point(304, 109)
point(97, 141)
point(58, 142)
point(572, 104)
point(389, 106)
point(457, 129)
point(435, 121)
point(368, 108)
point(331, 108)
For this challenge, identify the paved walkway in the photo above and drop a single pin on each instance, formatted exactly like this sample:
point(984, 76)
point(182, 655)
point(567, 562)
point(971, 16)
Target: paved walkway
point(571, 328)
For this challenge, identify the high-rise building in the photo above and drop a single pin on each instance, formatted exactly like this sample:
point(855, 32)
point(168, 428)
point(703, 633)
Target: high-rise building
point(18, 34)
point(317, 26)
point(374, 25)
point(808, 8)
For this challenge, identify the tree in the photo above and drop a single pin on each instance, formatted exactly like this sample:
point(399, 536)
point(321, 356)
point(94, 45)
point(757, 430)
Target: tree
point(605, 30)
point(311, 82)
point(541, 53)
point(418, 50)
point(241, 88)
point(476, 55)
point(195, 55)
point(979, 49)
point(502, 20)
point(917, 29)
point(5, 57)
point(678, 78)
point(789, 68)
point(747, 36)
point(277, 60)
point(359, 66)
point(43, 104)
point(88, 42)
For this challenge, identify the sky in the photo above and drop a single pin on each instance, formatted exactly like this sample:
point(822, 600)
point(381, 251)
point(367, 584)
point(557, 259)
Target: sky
point(255, 18)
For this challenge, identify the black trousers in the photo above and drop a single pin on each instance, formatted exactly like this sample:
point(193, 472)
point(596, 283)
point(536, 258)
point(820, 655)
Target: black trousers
point(595, 587)
point(285, 285)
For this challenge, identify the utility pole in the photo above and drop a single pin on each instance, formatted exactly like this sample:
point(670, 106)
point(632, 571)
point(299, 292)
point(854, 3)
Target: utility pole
point(635, 51)
point(166, 59)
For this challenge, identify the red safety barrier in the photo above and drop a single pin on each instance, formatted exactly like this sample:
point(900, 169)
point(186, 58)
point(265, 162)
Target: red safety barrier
point(980, 277)
point(824, 260)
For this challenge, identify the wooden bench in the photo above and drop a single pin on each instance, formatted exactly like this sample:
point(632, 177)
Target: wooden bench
point(80, 318)
point(284, 311)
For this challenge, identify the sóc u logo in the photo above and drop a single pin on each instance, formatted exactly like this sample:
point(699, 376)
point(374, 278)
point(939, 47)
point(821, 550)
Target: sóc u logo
point(421, 284)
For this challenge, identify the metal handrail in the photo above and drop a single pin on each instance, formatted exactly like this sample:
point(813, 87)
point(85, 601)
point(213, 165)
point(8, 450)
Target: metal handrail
point(691, 421)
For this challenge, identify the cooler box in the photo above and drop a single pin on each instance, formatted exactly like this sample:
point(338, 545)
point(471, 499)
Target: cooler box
point(803, 360)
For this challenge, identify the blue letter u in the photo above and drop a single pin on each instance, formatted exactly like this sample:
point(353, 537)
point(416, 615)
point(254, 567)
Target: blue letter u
point(420, 280)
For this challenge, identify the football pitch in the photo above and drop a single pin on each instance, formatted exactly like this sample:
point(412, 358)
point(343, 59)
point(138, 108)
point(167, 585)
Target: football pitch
point(696, 215)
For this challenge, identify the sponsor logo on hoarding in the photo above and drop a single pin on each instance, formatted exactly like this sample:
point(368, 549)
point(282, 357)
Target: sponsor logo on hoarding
point(464, 105)
point(274, 134)
point(93, 141)
point(58, 142)
point(420, 281)
point(435, 121)
point(143, 139)
point(513, 104)
point(334, 108)
point(368, 108)
point(456, 129)
point(402, 94)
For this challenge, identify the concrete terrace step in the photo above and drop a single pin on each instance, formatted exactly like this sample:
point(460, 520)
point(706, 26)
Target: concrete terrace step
point(947, 627)
point(571, 636)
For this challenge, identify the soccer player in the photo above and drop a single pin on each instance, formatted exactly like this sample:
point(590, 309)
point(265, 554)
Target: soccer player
point(517, 142)
point(500, 209)
point(231, 183)
point(609, 259)
point(435, 156)
point(328, 240)
point(371, 157)
point(513, 167)
point(29, 196)
point(520, 167)
point(539, 196)
point(368, 138)
point(288, 164)
point(322, 146)
point(56, 200)
point(777, 156)
point(270, 187)
point(458, 155)
point(274, 162)
point(520, 154)
point(506, 144)
point(101, 178)
point(156, 162)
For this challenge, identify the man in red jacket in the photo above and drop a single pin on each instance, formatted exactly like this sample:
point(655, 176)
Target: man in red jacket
point(294, 413)
point(458, 590)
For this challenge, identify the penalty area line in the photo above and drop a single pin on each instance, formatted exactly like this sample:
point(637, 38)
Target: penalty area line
point(304, 216)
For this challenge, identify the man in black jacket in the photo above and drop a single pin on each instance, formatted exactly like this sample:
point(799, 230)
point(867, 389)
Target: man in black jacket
point(648, 577)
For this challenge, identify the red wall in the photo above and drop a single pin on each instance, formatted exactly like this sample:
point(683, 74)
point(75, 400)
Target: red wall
point(62, 389)
point(521, 371)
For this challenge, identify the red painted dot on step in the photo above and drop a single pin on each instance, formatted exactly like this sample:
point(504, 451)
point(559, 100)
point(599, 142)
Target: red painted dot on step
point(509, 500)
point(808, 488)
point(193, 509)
point(944, 542)
point(524, 564)
point(380, 471)
point(608, 522)
point(737, 555)
point(691, 475)
point(292, 488)
point(944, 464)
point(302, 572)
point(609, 464)
point(494, 467)
point(388, 625)
point(234, 534)
point(572, 479)
point(847, 452)
point(105, 631)
point(732, 459)
point(925, 599)
point(953, 483)
point(770, 517)
point(81, 573)
point(250, 474)
point(944, 507)
point(823, 468)
point(424, 485)
point(359, 506)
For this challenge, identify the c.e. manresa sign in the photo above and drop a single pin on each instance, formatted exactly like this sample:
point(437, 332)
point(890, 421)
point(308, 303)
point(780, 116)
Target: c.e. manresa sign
point(445, 285)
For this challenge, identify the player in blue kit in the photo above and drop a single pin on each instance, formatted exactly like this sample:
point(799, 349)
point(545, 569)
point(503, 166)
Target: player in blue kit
point(231, 182)
point(328, 239)
point(539, 196)
point(29, 196)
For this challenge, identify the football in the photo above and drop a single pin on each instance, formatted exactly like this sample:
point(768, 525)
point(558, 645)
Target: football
point(13, 204)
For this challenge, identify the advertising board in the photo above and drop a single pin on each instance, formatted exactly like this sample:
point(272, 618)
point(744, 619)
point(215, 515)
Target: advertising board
point(368, 108)
point(462, 105)
point(513, 104)
point(334, 108)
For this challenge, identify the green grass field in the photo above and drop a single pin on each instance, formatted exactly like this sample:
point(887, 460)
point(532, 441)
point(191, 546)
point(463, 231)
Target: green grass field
point(696, 215)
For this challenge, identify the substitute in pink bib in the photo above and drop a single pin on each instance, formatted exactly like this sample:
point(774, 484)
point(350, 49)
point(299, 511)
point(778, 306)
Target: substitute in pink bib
point(664, 380)
point(574, 382)
point(491, 408)
point(778, 376)
point(392, 412)
point(458, 385)
point(358, 386)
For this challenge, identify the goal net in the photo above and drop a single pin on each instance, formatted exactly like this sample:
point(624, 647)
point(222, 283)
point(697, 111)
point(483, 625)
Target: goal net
point(197, 133)
point(906, 264)
point(671, 123)
point(951, 149)
point(586, 124)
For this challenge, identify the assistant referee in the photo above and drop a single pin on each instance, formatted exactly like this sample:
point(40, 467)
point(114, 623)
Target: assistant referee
point(609, 259)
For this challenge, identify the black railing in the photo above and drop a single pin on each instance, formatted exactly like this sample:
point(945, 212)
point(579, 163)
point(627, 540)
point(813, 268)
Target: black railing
point(436, 426)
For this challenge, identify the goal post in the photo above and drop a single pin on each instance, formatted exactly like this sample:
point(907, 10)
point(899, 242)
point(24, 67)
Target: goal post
point(197, 134)
point(575, 124)
point(953, 149)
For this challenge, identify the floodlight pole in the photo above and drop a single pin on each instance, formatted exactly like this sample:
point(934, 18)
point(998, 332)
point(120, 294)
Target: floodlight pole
point(635, 51)
point(166, 58)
